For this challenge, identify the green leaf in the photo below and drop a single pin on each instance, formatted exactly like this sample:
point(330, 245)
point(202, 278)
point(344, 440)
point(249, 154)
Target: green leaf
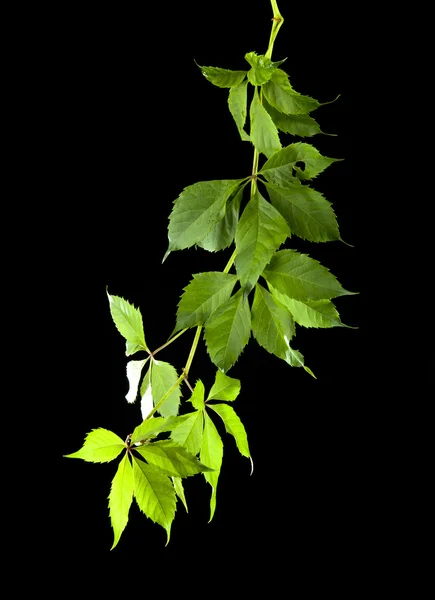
point(163, 377)
point(264, 134)
point(237, 103)
point(204, 294)
point(295, 359)
point(301, 125)
point(189, 433)
point(227, 331)
point(179, 490)
point(128, 321)
point(301, 277)
point(147, 402)
point(283, 166)
point(198, 208)
point(120, 498)
point(223, 78)
point(262, 68)
point(212, 451)
point(153, 426)
point(260, 232)
point(224, 388)
point(307, 212)
point(100, 445)
point(280, 94)
point(272, 324)
point(171, 458)
point(234, 426)
point(134, 373)
point(311, 313)
point(155, 494)
point(222, 234)
point(197, 397)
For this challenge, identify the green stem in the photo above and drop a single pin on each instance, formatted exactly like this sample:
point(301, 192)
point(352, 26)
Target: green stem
point(170, 341)
point(278, 20)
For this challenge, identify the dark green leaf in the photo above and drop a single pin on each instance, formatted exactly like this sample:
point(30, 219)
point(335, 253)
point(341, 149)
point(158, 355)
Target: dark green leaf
point(264, 134)
point(222, 234)
point(262, 68)
point(223, 78)
point(300, 125)
point(280, 94)
point(284, 166)
point(237, 103)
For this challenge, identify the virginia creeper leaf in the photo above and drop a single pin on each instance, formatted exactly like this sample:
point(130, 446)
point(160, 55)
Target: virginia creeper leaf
point(283, 166)
point(272, 324)
point(222, 234)
point(171, 458)
point(189, 433)
point(223, 78)
point(260, 232)
point(295, 359)
point(227, 331)
point(204, 294)
point(212, 451)
point(301, 277)
point(154, 426)
point(309, 215)
point(264, 134)
point(197, 397)
point(262, 68)
point(234, 426)
point(163, 377)
point(179, 490)
point(120, 498)
point(134, 372)
point(198, 208)
point(280, 94)
point(155, 494)
point(237, 103)
point(100, 445)
point(147, 402)
point(128, 321)
point(224, 388)
point(300, 125)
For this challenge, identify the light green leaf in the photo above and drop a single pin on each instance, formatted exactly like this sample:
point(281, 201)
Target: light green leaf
point(234, 426)
point(147, 402)
point(260, 232)
point(128, 321)
point(155, 494)
point(212, 451)
point(223, 78)
point(295, 359)
point(272, 324)
point(264, 134)
point(100, 445)
point(197, 397)
point(163, 377)
point(189, 433)
point(227, 331)
point(222, 234)
point(283, 166)
point(280, 94)
point(204, 294)
point(307, 212)
point(301, 277)
point(301, 125)
point(134, 372)
point(311, 313)
point(224, 388)
point(195, 212)
point(262, 68)
point(171, 458)
point(120, 498)
point(154, 426)
point(179, 490)
point(237, 103)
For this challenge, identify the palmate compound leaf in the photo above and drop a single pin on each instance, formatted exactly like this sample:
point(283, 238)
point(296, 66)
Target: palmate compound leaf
point(100, 445)
point(189, 433)
point(172, 458)
point(224, 388)
point(120, 498)
point(264, 134)
point(281, 96)
point(204, 294)
point(128, 321)
point(211, 454)
point(300, 125)
point(260, 232)
point(301, 277)
point(224, 78)
point(227, 331)
point(262, 68)
point(234, 426)
point(155, 494)
point(309, 215)
point(196, 211)
point(237, 103)
point(222, 233)
point(160, 378)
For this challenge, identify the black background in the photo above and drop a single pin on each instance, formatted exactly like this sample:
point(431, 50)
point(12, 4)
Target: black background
point(134, 122)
